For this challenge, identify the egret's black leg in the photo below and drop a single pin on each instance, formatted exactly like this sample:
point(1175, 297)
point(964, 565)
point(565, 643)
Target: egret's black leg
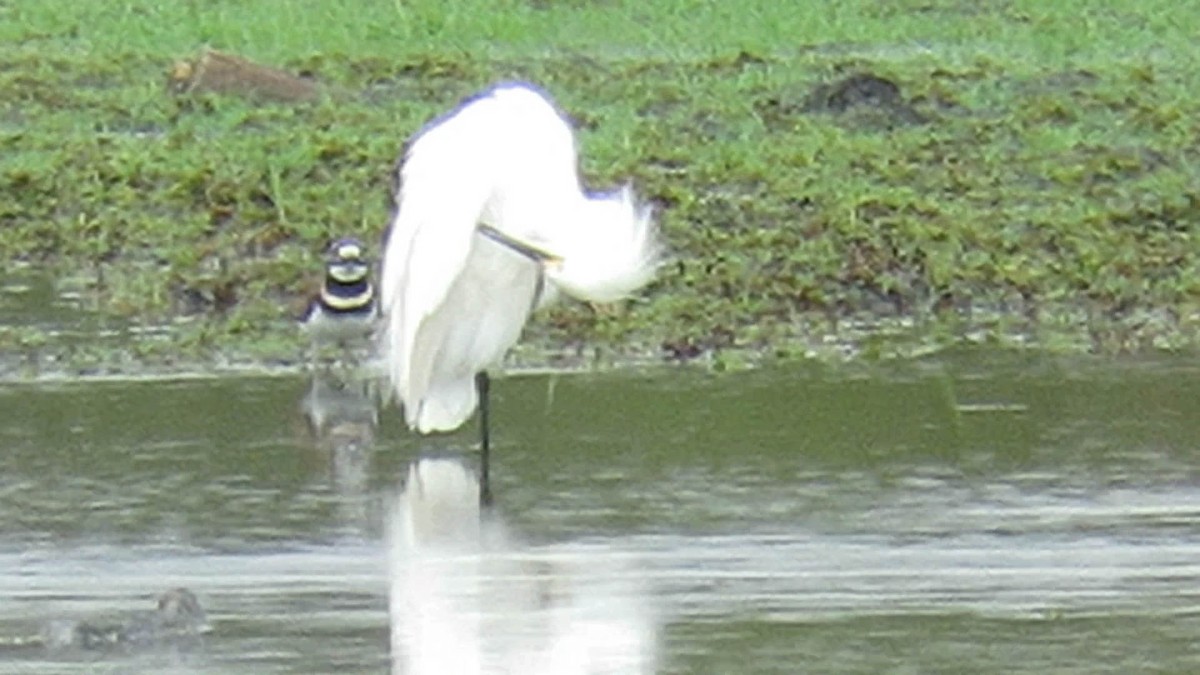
point(482, 385)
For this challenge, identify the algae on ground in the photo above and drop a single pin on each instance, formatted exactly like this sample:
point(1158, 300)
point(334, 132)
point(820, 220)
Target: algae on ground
point(861, 179)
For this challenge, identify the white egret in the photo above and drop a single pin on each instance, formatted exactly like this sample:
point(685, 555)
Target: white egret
point(490, 220)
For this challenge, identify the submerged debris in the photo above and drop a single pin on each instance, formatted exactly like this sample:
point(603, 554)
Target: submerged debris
point(178, 620)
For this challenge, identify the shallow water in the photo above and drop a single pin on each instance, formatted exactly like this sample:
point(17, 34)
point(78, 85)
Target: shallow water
point(972, 513)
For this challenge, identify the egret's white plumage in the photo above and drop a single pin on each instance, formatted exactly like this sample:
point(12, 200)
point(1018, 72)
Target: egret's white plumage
point(455, 300)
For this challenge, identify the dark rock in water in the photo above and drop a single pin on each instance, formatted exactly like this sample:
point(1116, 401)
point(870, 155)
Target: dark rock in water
point(178, 620)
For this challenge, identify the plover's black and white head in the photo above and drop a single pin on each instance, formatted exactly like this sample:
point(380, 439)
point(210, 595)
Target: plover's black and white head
point(345, 309)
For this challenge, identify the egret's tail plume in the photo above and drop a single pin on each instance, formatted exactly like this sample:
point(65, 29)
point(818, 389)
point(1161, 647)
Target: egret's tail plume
point(615, 249)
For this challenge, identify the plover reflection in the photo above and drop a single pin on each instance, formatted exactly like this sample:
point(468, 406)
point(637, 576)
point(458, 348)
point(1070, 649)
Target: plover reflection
point(340, 412)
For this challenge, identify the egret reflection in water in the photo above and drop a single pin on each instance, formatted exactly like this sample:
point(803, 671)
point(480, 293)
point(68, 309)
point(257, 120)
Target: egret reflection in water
point(467, 598)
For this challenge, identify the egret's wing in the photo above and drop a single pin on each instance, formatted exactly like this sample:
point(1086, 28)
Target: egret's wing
point(397, 248)
point(427, 250)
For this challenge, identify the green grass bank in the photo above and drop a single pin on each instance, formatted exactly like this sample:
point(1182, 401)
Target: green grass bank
point(833, 179)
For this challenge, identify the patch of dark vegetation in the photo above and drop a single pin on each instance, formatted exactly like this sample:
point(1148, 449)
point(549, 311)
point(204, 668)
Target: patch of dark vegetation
point(859, 101)
point(862, 89)
point(868, 95)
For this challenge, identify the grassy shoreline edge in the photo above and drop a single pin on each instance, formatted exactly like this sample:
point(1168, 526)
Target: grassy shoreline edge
point(1024, 186)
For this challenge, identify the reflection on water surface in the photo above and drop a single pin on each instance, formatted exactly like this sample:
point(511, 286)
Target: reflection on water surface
point(993, 515)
